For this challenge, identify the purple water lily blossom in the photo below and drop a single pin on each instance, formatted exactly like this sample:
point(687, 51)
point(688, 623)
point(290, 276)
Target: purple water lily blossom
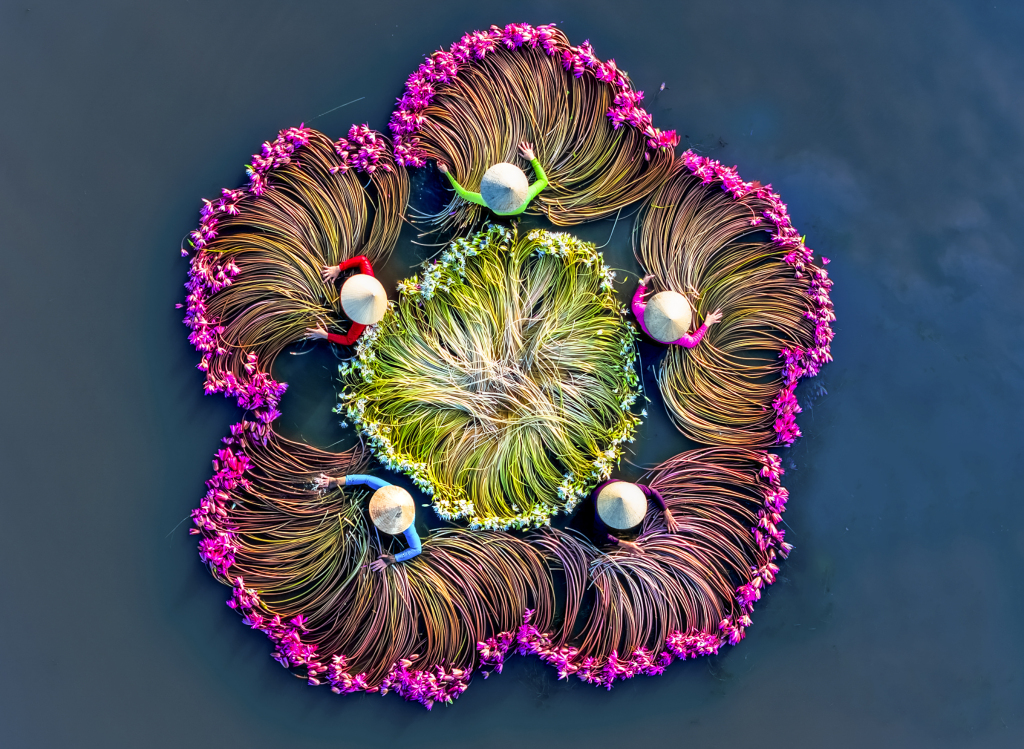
point(797, 362)
point(442, 68)
point(440, 684)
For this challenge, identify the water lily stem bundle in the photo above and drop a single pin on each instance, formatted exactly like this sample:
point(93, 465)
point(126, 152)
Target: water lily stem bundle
point(715, 247)
point(556, 96)
point(256, 281)
point(303, 552)
point(683, 584)
point(503, 381)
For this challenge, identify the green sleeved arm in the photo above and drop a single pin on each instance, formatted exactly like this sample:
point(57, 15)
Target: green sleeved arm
point(535, 188)
point(472, 197)
point(540, 184)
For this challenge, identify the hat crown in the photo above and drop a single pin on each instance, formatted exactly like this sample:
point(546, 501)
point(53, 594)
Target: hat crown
point(392, 509)
point(364, 300)
point(668, 316)
point(621, 505)
point(504, 187)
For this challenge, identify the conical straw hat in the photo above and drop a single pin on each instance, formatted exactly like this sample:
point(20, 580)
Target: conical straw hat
point(364, 299)
point(668, 316)
point(504, 187)
point(621, 505)
point(392, 509)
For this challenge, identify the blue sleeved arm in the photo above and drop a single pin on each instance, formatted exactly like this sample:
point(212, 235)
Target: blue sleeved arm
point(359, 479)
point(415, 547)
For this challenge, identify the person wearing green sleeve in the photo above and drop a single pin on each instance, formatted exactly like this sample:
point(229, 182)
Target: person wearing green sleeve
point(504, 187)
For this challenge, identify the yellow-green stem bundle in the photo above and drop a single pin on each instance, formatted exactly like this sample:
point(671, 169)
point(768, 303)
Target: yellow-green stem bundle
point(503, 380)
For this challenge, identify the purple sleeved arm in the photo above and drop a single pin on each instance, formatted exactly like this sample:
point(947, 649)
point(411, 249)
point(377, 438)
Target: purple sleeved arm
point(638, 306)
point(654, 495)
point(600, 527)
point(689, 340)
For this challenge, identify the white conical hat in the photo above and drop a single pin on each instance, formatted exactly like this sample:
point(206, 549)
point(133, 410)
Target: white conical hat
point(392, 509)
point(668, 316)
point(504, 187)
point(621, 505)
point(364, 299)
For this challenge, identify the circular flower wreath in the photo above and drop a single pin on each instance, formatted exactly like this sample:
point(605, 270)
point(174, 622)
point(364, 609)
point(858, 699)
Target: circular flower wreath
point(477, 348)
point(502, 382)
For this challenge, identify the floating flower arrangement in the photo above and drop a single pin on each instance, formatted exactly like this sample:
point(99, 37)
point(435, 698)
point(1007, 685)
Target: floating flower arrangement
point(503, 381)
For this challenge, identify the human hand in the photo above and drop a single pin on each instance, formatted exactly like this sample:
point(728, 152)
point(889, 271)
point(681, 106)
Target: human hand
point(324, 481)
point(527, 150)
point(671, 524)
point(631, 547)
point(381, 562)
point(442, 167)
point(646, 279)
point(330, 273)
point(714, 317)
point(316, 333)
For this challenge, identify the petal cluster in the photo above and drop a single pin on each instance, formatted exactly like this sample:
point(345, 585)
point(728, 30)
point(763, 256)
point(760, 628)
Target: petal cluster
point(443, 67)
point(797, 362)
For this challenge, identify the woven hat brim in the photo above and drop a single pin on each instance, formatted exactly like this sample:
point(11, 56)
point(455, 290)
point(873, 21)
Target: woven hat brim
point(668, 316)
point(392, 509)
point(364, 300)
point(621, 505)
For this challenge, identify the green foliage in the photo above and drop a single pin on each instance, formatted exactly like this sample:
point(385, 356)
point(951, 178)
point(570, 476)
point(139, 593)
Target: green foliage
point(502, 381)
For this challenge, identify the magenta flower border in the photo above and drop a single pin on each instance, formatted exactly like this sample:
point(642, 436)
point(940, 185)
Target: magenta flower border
point(363, 150)
point(209, 272)
point(440, 685)
point(442, 67)
point(797, 362)
point(528, 640)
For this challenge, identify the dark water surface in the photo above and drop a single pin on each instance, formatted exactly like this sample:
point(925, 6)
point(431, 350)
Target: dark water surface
point(893, 129)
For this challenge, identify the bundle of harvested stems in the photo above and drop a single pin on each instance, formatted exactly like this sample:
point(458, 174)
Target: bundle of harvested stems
point(704, 234)
point(687, 593)
point(255, 284)
point(503, 382)
point(297, 559)
point(471, 106)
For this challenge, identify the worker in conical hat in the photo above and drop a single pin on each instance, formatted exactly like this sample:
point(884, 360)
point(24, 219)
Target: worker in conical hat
point(621, 506)
point(667, 317)
point(362, 298)
point(392, 511)
point(504, 187)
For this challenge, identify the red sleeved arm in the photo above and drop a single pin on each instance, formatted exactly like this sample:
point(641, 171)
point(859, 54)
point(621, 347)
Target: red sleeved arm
point(360, 261)
point(350, 337)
